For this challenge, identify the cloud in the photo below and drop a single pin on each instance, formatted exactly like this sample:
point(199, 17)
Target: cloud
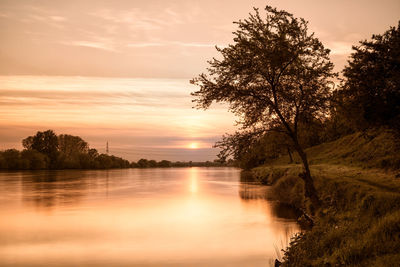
point(149, 118)
point(168, 43)
point(134, 15)
point(91, 44)
point(58, 18)
point(146, 44)
point(138, 19)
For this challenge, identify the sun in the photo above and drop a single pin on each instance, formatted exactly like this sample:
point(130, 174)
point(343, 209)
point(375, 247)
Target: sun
point(193, 146)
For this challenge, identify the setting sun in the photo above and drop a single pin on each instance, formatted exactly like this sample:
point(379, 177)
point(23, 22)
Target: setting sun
point(193, 146)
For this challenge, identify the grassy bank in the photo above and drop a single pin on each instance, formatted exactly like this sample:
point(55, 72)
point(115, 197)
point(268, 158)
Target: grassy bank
point(357, 180)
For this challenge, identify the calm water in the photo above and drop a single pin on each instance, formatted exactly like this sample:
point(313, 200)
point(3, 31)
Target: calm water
point(138, 217)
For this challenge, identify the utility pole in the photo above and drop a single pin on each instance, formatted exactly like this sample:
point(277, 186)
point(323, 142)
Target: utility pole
point(107, 148)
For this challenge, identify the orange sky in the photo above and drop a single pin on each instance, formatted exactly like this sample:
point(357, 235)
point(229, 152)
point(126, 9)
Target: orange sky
point(157, 46)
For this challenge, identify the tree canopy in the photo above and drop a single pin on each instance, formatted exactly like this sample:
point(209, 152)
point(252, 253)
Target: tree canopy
point(46, 150)
point(371, 88)
point(273, 76)
point(44, 142)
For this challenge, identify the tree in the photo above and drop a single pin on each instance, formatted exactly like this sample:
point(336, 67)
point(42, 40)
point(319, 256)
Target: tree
point(12, 159)
point(143, 163)
point(72, 150)
point(251, 149)
point(27, 142)
point(152, 163)
point(71, 145)
point(164, 163)
point(371, 89)
point(44, 142)
point(35, 160)
point(273, 75)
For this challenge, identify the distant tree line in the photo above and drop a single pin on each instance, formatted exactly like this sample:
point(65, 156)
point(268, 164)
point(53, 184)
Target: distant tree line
point(46, 150)
point(145, 163)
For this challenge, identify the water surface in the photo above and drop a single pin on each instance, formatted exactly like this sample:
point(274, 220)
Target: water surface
point(138, 217)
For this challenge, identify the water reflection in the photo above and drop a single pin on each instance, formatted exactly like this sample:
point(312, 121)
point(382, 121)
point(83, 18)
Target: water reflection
point(50, 188)
point(250, 191)
point(193, 180)
point(138, 217)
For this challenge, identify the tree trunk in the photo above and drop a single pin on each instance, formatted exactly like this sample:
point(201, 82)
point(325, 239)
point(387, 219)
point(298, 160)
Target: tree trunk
point(290, 155)
point(310, 190)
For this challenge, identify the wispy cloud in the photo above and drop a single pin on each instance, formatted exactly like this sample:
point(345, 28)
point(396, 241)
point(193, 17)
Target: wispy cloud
point(138, 19)
point(90, 44)
point(151, 113)
point(145, 44)
point(57, 18)
point(166, 43)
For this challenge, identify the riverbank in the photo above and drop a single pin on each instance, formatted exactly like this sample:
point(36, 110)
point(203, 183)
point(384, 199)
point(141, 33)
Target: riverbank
point(357, 179)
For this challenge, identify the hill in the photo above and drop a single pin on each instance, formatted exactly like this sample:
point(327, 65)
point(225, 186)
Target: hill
point(357, 178)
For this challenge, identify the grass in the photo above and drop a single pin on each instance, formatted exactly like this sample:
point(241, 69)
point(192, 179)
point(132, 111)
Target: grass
point(359, 222)
point(378, 148)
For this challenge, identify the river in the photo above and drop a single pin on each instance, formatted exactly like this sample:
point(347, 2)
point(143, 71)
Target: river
point(138, 217)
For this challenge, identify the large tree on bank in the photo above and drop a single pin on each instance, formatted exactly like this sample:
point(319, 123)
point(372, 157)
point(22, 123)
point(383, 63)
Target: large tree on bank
point(274, 75)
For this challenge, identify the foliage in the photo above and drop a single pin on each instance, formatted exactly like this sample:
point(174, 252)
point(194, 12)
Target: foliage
point(145, 163)
point(47, 150)
point(44, 142)
point(275, 75)
point(11, 158)
point(70, 145)
point(371, 88)
point(35, 160)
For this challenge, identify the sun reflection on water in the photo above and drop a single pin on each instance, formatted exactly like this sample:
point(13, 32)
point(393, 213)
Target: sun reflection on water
point(193, 182)
point(138, 217)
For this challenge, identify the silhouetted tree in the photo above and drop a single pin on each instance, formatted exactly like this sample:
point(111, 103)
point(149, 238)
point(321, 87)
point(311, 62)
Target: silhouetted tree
point(71, 145)
point(273, 75)
point(104, 161)
point(27, 142)
point(251, 149)
point(35, 160)
point(45, 150)
point(73, 152)
point(371, 89)
point(93, 153)
point(143, 163)
point(164, 164)
point(11, 159)
point(44, 142)
point(152, 163)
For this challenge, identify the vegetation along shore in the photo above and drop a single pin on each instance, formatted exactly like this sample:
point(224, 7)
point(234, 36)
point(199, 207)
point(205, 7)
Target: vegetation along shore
point(46, 150)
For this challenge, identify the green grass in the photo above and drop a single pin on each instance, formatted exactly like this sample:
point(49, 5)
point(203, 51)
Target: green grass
point(359, 223)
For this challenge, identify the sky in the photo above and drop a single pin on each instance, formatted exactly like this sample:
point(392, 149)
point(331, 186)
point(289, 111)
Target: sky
point(119, 71)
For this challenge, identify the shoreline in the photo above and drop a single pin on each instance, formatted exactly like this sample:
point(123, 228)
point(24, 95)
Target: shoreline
point(358, 223)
